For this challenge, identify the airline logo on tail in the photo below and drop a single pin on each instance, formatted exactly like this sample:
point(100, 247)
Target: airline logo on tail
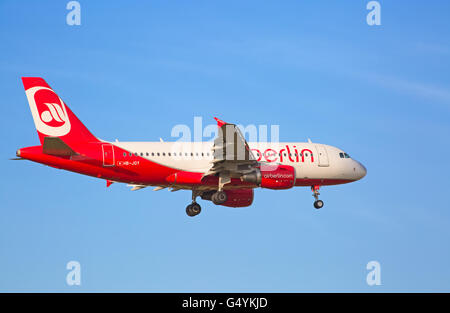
point(49, 111)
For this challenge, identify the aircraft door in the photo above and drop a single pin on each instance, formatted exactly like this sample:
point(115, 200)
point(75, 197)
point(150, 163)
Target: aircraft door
point(323, 156)
point(108, 154)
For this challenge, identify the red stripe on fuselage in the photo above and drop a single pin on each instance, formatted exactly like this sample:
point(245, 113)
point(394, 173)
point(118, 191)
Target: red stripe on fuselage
point(320, 182)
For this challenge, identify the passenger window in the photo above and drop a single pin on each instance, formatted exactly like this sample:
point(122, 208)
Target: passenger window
point(164, 154)
point(124, 154)
point(131, 154)
point(157, 153)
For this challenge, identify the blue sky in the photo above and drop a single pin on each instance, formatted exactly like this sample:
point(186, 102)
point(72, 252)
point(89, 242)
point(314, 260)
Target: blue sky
point(133, 70)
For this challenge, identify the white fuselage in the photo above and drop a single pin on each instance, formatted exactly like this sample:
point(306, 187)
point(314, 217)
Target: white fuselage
point(326, 162)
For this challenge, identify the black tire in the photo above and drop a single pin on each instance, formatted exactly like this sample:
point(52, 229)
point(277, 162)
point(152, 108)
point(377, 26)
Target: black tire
point(318, 204)
point(219, 197)
point(189, 211)
point(196, 208)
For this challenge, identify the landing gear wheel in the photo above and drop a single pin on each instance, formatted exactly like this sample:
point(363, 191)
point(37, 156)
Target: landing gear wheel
point(219, 197)
point(318, 204)
point(196, 208)
point(189, 210)
point(193, 209)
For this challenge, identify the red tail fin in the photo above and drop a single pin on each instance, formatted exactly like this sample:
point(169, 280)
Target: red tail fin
point(52, 117)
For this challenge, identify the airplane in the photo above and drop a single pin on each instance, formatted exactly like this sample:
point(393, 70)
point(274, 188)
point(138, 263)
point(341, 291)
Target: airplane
point(225, 171)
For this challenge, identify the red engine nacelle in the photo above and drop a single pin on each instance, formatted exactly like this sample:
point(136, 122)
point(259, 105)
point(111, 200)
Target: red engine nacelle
point(236, 198)
point(272, 176)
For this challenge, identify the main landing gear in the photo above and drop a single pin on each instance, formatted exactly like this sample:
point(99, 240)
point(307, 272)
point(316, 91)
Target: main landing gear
point(318, 203)
point(218, 197)
point(194, 208)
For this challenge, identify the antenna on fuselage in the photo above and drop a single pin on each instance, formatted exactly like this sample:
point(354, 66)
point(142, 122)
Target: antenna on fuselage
point(309, 140)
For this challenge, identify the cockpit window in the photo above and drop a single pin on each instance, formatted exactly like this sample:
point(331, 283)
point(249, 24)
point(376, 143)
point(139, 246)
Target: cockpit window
point(344, 155)
point(341, 155)
point(347, 156)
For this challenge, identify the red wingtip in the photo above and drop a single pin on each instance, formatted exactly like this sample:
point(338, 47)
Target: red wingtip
point(220, 123)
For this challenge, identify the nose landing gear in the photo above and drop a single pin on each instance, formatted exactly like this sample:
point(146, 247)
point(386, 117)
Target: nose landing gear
point(318, 203)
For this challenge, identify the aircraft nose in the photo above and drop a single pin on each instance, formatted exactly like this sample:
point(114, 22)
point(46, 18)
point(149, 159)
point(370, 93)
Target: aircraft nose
point(360, 170)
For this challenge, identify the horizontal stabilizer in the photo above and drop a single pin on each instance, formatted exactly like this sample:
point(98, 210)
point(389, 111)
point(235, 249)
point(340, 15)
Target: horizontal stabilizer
point(55, 146)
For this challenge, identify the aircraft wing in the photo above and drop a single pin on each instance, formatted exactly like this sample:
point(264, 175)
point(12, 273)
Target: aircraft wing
point(232, 155)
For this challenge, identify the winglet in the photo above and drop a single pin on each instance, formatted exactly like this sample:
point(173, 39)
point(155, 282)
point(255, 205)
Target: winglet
point(220, 123)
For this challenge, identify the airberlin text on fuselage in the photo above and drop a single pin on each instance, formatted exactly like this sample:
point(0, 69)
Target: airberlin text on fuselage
point(292, 154)
point(278, 176)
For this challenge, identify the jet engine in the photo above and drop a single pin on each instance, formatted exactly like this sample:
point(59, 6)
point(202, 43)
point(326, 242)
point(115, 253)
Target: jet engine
point(236, 198)
point(272, 176)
